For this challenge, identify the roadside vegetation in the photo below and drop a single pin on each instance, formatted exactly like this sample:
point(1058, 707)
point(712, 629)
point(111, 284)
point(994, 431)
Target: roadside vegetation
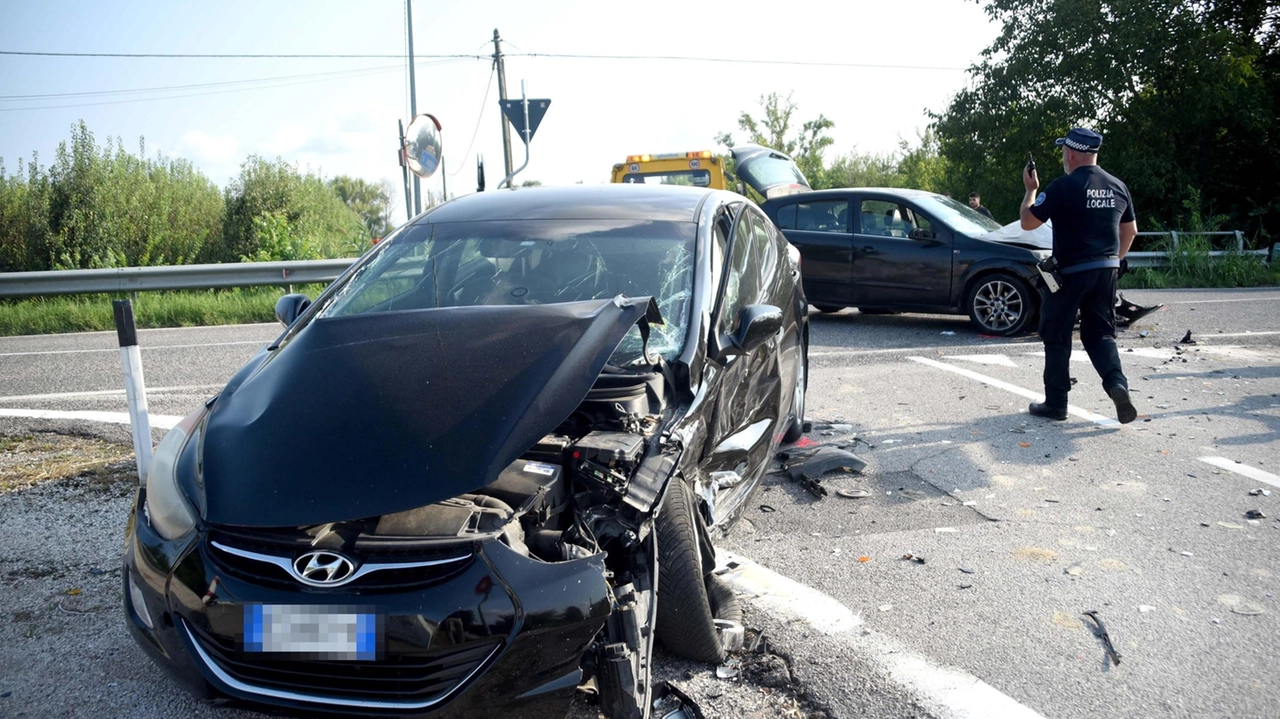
point(186, 308)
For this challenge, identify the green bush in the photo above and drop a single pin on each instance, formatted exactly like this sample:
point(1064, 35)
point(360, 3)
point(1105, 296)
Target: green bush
point(1191, 265)
point(274, 212)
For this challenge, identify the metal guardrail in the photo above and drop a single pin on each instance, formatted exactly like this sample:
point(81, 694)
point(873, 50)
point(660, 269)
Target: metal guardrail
point(1161, 259)
point(175, 277)
point(253, 274)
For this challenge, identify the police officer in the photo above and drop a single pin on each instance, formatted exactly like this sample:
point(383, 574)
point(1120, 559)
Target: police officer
point(1093, 227)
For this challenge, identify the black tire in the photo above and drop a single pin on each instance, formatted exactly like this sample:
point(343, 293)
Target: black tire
point(1000, 304)
point(796, 429)
point(828, 308)
point(876, 311)
point(685, 622)
point(724, 603)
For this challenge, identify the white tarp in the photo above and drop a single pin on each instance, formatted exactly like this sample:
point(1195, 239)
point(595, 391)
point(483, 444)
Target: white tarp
point(1013, 233)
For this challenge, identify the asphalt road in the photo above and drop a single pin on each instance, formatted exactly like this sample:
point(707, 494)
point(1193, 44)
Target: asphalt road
point(1024, 524)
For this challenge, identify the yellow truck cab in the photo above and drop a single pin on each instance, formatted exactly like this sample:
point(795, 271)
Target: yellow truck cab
point(699, 169)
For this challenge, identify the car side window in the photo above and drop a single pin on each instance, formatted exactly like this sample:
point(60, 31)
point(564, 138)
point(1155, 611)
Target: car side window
point(885, 219)
point(742, 284)
point(824, 216)
point(787, 217)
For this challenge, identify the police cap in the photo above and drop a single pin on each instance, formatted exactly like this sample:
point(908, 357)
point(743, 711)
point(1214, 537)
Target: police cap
point(1081, 140)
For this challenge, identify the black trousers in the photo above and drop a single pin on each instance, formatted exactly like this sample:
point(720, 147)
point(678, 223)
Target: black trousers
point(1093, 294)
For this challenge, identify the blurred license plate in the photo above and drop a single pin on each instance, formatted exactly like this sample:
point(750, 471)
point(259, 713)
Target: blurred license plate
point(312, 632)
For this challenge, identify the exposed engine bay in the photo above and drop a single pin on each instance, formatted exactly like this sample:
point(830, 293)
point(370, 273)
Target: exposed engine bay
point(562, 500)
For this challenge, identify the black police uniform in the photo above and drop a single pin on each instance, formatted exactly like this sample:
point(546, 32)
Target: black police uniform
point(1086, 209)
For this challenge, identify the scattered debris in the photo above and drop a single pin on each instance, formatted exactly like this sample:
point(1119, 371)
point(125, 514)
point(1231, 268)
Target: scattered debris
point(1259, 492)
point(766, 508)
point(1024, 444)
point(1187, 554)
point(1186, 340)
point(729, 669)
point(1144, 333)
point(1101, 632)
point(855, 493)
point(913, 558)
point(842, 428)
point(1228, 525)
point(1074, 570)
point(864, 559)
point(944, 530)
point(1254, 514)
point(670, 702)
point(1240, 605)
point(1144, 608)
point(966, 570)
point(807, 467)
point(886, 607)
point(948, 333)
point(966, 586)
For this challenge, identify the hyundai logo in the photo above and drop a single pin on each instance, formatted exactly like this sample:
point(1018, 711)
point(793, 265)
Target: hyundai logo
point(323, 569)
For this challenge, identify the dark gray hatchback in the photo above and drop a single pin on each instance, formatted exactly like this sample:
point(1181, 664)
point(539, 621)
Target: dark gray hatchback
point(888, 250)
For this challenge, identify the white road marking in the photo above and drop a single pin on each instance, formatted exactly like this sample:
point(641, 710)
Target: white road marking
point(1214, 302)
point(1243, 470)
point(143, 347)
point(158, 421)
point(1244, 334)
point(1000, 384)
point(949, 693)
point(1002, 360)
point(105, 392)
point(838, 353)
point(147, 331)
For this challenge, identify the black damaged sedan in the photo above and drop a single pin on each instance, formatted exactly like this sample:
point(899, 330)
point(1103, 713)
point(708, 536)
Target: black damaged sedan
point(485, 467)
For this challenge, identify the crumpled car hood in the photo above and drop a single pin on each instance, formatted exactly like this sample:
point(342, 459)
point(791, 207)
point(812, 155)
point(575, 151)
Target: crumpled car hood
point(372, 414)
point(1040, 238)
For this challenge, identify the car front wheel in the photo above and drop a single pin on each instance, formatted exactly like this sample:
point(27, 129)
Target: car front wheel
point(686, 622)
point(1000, 304)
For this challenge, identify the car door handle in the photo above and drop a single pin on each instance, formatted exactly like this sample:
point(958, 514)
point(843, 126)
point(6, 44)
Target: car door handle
point(869, 249)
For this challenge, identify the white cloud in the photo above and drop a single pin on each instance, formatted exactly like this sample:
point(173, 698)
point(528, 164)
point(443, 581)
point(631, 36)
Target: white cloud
point(206, 149)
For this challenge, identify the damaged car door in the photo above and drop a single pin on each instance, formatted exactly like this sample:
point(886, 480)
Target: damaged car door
point(757, 350)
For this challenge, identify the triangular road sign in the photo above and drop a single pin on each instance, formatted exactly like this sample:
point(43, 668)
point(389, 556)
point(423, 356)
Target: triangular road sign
point(514, 110)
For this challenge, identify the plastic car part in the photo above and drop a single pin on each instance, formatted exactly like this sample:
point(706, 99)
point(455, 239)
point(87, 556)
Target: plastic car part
point(608, 458)
point(685, 621)
point(623, 656)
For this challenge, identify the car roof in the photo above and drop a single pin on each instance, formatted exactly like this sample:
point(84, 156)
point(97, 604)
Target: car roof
point(594, 202)
point(842, 191)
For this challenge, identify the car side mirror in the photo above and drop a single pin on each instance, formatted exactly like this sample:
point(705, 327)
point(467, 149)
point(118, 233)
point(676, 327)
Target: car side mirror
point(756, 324)
point(921, 233)
point(291, 307)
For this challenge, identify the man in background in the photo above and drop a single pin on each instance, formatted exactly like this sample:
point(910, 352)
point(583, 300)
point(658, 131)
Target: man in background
point(975, 201)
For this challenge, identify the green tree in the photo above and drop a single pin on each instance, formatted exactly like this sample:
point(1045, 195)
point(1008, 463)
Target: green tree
point(1186, 93)
point(370, 200)
point(105, 207)
point(774, 130)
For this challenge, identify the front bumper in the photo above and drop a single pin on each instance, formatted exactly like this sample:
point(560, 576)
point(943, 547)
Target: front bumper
point(502, 636)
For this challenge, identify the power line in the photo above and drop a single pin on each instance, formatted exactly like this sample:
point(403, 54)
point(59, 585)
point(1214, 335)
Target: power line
point(224, 56)
point(483, 104)
point(137, 90)
point(736, 61)
point(177, 96)
point(571, 56)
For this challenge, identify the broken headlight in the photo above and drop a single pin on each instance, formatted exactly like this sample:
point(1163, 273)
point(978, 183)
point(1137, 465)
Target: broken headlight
point(168, 511)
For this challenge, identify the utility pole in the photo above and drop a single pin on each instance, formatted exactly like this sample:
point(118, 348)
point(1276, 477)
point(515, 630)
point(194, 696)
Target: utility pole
point(413, 98)
point(502, 96)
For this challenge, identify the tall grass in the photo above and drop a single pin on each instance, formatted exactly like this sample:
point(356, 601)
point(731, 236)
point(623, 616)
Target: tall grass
point(1191, 265)
point(186, 308)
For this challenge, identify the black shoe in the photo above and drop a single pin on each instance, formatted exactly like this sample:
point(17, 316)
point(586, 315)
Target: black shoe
point(1125, 411)
point(1040, 409)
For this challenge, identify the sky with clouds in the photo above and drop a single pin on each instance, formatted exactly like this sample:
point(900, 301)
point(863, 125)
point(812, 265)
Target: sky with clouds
point(338, 116)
